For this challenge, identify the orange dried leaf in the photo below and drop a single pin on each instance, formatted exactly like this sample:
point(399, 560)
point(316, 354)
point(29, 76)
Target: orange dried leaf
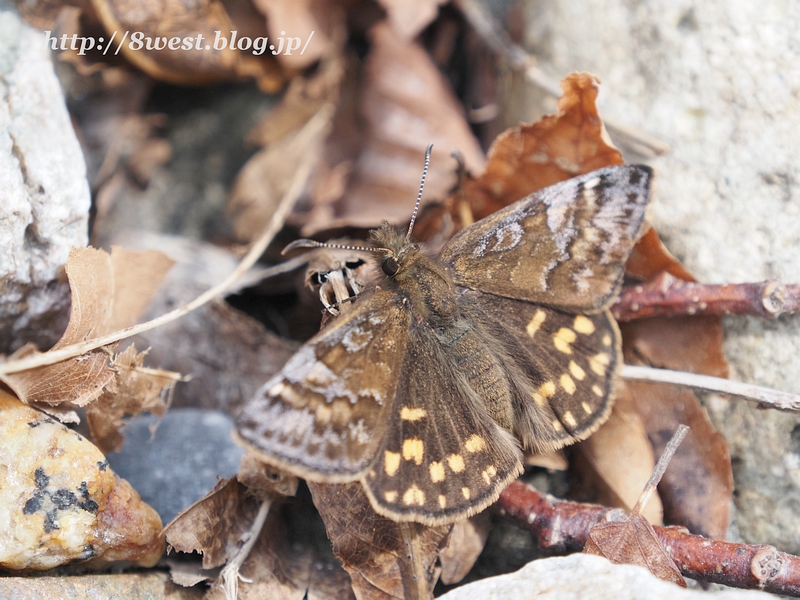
point(530, 157)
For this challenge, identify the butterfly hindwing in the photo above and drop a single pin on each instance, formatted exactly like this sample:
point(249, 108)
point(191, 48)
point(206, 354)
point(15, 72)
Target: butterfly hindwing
point(324, 415)
point(563, 246)
point(563, 366)
point(444, 457)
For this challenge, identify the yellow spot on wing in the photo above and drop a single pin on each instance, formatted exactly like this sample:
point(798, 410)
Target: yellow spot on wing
point(437, 472)
point(456, 463)
point(413, 496)
point(586, 408)
point(562, 340)
point(569, 419)
point(576, 371)
point(567, 384)
point(547, 389)
point(488, 473)
point(606, 340)
point(413, 449)
point(557, 425)
point(465, 492)
point(535, 322)
point(391, 462)
point(475, 443)
point(599, 362)
point(413, 414)
point(596, 389)
point(583, 325)
point(442, 501)
point(390, 496)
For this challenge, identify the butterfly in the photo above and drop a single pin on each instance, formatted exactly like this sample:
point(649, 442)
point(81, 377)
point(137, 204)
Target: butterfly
point(430, 386)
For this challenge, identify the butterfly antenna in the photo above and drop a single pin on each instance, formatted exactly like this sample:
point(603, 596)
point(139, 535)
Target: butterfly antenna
point(314, 244)
point(421, 185)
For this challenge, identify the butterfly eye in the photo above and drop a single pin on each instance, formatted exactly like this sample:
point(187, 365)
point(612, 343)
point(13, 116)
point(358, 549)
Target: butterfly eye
point(390, 266)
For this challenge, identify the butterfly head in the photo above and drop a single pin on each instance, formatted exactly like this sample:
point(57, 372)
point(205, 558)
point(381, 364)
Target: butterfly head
point(393, 249)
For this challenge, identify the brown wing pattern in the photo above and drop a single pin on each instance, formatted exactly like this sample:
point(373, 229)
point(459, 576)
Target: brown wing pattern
point(443, 457)
point(563, 366)
point(323, 417)
point(563, 246)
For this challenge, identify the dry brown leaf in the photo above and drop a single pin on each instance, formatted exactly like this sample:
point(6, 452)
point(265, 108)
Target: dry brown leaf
point(385, 559)
point(403, 103)
point(617, 458)
point(633, 540)
point(262, 182)
point(214, 525)
point(109, 292)
point(465, 544)
point(650, 257)
point(530, 157)
point(166, 19)
point(409, 17)
point(136, 391)
point(697, 489)
point(318, 20)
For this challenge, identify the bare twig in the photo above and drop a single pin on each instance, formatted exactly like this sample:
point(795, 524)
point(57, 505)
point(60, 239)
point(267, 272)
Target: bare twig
point(314, 127)
point(520, 60)
point(561, 527)
point(670, 297)
point(230, 576)
point(769, 397)
point(660, 468)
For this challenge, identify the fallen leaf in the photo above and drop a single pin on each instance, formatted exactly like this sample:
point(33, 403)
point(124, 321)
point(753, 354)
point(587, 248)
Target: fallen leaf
point(464, 546)
point(109, 292)
point(408, 18)
point(385, 559)
point(614, 460)
point(403, 103)
point(530, 157)
point(633, 540)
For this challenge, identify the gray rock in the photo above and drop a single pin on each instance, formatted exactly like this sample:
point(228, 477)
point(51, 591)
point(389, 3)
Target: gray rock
point(719, 82)
point(190, 450)
point(585, 577)
point(45, 196)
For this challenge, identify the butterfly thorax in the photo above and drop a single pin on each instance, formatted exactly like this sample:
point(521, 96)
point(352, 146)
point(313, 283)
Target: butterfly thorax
point(424, 284)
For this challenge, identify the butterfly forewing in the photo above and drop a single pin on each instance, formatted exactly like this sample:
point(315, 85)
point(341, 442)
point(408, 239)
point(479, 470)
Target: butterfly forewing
point(444, 457)
point(323, 417)
point(564, 246)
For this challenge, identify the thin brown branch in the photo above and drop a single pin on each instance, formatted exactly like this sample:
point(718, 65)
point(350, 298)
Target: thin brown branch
point(667, 296)
point(561, 527)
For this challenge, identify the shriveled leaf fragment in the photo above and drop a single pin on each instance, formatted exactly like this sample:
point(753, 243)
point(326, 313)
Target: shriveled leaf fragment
point(615, 460)
point(650, 257)
point(214, 525)
point(385, 559)
point(137, 390)
point(633, 541)
point(529, 157)
point(465, 544)
point(60, 502)
point(109, 292)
